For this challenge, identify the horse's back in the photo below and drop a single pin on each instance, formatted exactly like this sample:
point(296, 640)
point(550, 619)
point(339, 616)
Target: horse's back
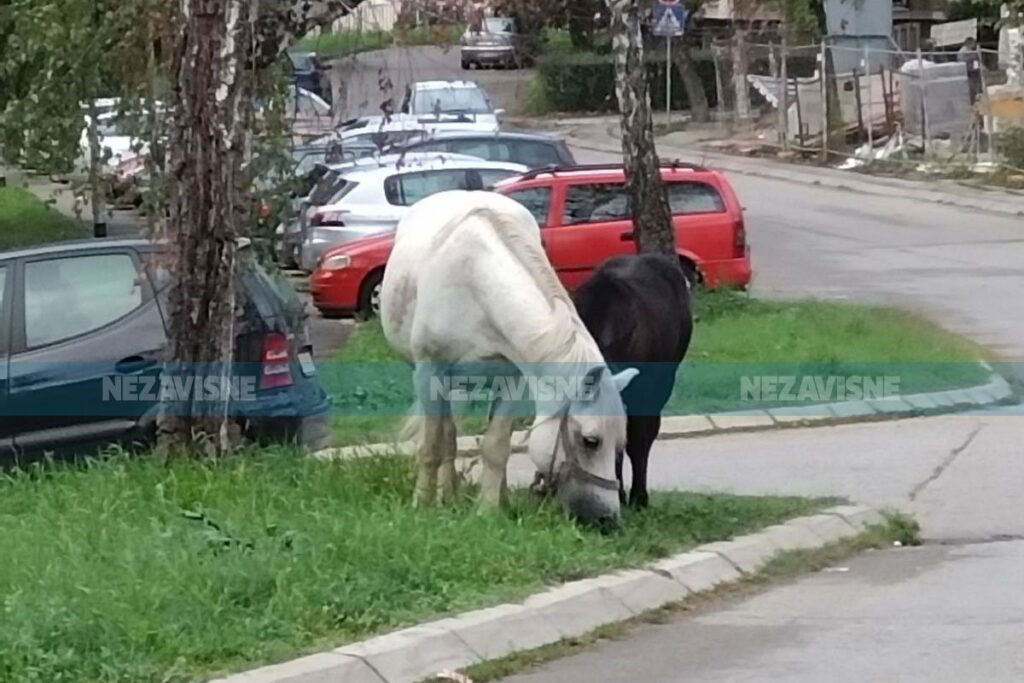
point(450, 250)
point(638, 309)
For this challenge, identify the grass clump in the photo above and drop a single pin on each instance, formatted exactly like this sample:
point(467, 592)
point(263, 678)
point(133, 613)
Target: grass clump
point(25, 220)
point(149, 570)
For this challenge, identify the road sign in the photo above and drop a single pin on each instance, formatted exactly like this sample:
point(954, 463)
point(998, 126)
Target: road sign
point(669, 18)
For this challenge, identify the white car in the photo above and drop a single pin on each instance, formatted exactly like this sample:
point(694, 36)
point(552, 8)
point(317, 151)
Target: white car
point(370, 201)
point(451, 101)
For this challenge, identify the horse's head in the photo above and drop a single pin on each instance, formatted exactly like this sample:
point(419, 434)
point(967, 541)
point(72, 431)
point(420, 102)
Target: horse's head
point(574, 449)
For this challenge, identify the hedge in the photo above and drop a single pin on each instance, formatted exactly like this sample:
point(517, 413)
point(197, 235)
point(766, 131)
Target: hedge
point(585, 81)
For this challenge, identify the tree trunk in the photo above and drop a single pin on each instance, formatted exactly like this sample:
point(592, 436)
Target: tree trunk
point(652, 218)
point(206, 209)
point(836, 125)
point(696, 96)
point(98, 195)
point(739, 75)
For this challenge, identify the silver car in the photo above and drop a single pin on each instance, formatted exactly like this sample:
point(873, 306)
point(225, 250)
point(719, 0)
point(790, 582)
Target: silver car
point(370, 201)
point(497, 43)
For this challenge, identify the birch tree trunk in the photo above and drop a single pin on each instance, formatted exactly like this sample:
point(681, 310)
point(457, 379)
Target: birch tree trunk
point(205, 204)
point(97, 199)
point(217, 46)
point(652, 218)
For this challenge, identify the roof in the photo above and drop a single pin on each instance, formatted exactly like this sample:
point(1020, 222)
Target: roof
point(76, 245)
point(95, 244)
point(435, 85)
point(600, 170)
point(498, 135)
point(445, 161)
point(391, 159)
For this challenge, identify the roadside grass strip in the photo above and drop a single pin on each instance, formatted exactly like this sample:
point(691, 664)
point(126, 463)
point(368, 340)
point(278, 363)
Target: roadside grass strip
point(27, 221)
point(170, 570)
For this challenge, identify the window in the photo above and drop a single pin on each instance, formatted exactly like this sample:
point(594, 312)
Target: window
point(329, 188)
point(68, 297)
point(489, 150)
point(3, 318)
point(490, 176)
point(409, 188)
point(537, 200)
point(688, 197)
point(534, 154)
point(592, 203)
point(450, 100)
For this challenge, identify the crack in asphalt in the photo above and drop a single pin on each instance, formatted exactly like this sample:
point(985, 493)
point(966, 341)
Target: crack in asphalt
point(946, 462)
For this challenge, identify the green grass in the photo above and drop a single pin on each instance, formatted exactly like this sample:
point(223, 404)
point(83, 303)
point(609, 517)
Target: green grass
point(342, 43)
point(113, 572)
point(735, 337)
point(25, 220)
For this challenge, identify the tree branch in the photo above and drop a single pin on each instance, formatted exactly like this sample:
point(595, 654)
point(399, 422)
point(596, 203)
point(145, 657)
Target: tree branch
point(280, 28)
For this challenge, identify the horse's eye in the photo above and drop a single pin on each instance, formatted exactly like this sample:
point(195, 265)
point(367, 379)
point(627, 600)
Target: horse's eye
point(591, 442)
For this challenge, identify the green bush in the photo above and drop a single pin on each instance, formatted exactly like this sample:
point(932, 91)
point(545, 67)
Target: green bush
point(1013, 147)
point(585, 81)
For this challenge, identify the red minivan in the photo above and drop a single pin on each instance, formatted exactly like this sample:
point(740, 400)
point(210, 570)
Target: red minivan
point(584, 216)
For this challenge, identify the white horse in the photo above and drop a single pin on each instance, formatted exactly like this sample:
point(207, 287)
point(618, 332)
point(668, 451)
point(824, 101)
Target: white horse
point(468, 281)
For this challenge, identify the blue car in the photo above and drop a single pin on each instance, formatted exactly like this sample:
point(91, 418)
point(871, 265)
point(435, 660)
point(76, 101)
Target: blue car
point(83, 332)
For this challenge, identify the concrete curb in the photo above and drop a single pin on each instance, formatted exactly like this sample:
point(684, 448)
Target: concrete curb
point(567, 611)
point(983, 200)
point(996, 391)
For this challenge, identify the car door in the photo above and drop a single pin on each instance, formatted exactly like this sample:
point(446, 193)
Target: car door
point(593, 225)
point(7, 421)
point(87, 337)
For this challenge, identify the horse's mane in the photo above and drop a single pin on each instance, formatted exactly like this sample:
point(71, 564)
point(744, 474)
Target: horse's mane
point(566, 338)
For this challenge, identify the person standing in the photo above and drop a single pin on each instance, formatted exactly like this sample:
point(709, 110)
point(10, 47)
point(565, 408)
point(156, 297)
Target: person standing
point(968, 54)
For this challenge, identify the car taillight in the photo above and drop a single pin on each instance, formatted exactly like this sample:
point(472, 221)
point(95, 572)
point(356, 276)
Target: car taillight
point(739, 238)
point(330, 218)
point(276, 370)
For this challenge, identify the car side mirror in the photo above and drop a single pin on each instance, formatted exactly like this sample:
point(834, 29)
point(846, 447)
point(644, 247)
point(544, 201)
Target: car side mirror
point(499, 112)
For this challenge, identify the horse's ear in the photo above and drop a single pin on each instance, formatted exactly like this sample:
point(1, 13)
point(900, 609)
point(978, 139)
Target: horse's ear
point(623, 379)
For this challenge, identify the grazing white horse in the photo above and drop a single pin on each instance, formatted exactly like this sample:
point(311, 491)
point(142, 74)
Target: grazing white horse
point(468, 282)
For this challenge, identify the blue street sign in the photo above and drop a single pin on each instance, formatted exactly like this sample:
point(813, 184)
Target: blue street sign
point(669, 18)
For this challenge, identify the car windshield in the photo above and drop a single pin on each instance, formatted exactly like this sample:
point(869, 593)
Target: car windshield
point(328, 187)
point(498, 25)
point(451, 100)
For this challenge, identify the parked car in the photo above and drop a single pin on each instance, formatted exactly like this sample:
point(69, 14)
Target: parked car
point(369, 201)
point(79, 317)
point(583, 214)
point(529, 149)
point(498, 42)
point(326, 187)
point(451, 102)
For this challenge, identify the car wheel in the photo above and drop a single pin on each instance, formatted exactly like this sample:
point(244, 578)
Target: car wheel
point(369, 295)
point(466, 65)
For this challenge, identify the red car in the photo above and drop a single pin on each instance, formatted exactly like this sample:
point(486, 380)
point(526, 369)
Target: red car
point(583, 213)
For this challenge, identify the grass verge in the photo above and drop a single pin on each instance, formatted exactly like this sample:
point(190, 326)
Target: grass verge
point(784, 566)
point(149, 570)
point(736, 338)
point(27, 221)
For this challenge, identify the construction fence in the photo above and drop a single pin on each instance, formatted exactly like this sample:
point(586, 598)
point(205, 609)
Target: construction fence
point(882, 103)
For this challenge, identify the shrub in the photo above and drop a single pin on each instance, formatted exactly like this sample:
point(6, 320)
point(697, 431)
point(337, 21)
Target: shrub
point(585, 81)
point(1013, 147)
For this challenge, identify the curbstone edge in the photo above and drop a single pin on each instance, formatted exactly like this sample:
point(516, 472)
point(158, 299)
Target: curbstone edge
point(495, 631)
point(412, 654)
point(323, 667)
point(698, 570)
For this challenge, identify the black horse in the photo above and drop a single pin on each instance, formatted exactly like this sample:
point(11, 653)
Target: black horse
point(638, 310)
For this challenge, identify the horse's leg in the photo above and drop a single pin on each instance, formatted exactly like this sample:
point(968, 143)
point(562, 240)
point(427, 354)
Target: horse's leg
point(494, 453)
point(618, 475)
point(428, 451)
point(449, 450)
point(641, 431)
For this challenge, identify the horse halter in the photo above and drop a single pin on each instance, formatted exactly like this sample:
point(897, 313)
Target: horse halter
point(547, 483)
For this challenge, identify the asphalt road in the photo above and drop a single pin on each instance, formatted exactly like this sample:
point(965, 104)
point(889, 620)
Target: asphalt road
point(951, 610)
point(366, 72)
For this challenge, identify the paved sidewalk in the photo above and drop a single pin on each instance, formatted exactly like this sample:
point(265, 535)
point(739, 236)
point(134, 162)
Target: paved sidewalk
point(952, 610)
point(602, 134)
